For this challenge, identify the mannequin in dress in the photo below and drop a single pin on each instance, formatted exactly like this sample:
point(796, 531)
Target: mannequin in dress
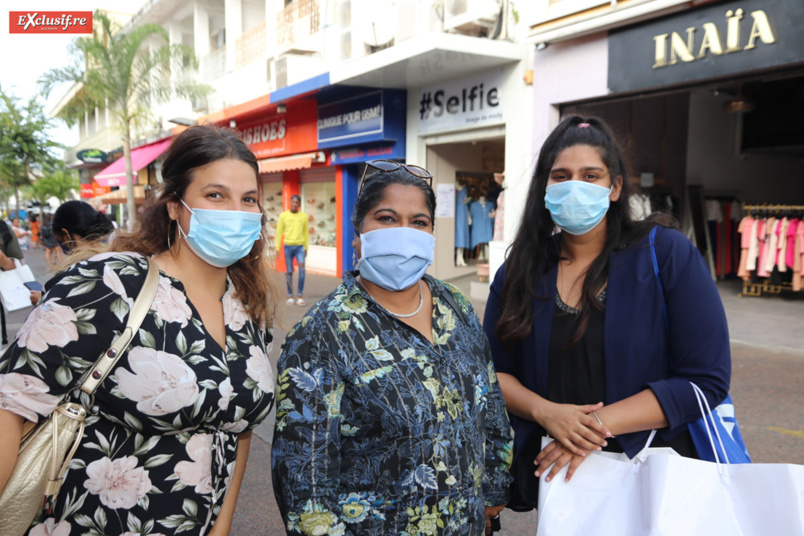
point(481, 212)
point(462, 222)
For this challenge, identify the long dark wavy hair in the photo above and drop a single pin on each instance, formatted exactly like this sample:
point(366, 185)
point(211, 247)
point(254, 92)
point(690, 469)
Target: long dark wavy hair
point(536, 249)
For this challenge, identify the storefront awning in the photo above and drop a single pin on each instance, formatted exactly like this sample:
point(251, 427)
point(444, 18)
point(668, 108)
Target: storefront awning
point(285, 163)
point(115, 174)
point(118, 197)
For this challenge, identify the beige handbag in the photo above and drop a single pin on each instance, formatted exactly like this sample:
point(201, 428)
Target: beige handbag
point(47, 447)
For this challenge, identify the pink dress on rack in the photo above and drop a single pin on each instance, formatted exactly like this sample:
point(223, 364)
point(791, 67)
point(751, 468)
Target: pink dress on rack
point(780, 260)
point(753, 246)
point(762, 236)
point(798, 246)
point(790, 257)
point(744, 229)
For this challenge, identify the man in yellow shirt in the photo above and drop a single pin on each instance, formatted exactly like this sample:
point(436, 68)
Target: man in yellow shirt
point(293, 229)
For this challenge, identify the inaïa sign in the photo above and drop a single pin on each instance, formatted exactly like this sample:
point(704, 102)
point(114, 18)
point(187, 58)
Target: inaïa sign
point(711, 42)
point(50, 22)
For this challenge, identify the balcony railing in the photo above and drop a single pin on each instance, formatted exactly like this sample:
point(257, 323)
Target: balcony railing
point(213, 65)
point(251, 46)
point(297, 21)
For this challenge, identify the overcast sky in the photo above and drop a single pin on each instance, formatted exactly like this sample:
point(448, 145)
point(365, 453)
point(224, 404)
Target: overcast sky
point(25, 57)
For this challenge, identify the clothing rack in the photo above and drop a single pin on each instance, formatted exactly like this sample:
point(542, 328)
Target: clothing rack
point(773, 207)
point(758, 288)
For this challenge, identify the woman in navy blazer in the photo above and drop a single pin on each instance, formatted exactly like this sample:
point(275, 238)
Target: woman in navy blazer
point(576, 319)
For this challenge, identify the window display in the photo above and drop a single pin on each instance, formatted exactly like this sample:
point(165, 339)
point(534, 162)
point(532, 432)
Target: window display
point(318, 202)
point(272, 204)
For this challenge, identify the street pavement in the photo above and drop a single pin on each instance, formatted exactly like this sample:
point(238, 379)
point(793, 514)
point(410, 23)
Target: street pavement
point(767, 375)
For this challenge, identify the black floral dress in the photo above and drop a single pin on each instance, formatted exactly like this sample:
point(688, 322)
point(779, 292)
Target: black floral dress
point(160, 443)
point(380, 431)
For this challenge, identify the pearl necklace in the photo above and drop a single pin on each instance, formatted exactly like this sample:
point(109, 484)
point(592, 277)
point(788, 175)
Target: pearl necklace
point(414, 313)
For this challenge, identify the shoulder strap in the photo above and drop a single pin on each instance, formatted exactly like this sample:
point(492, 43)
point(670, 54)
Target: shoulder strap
point(658, 276)
point(108, 359)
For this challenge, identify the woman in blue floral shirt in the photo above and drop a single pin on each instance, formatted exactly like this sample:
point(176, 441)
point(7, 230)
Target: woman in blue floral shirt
point(389, 417)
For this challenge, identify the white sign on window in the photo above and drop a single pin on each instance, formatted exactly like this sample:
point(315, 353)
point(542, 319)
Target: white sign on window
point(445, 201)
point(469, 102)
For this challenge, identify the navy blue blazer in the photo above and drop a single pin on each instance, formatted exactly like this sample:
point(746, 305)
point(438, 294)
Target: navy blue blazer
point(639, 352)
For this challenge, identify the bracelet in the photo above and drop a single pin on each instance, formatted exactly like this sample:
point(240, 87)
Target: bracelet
point(597, 418)
point(601, 423)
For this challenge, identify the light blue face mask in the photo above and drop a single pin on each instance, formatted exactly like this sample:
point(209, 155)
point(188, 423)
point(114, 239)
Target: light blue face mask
point(577, 206)
point(222, 237)
point(395, 258)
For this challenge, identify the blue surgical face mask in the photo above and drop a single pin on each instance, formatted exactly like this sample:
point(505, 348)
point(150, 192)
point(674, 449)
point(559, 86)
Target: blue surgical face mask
point(395, 258)
point(222, 237)
point(577, 206)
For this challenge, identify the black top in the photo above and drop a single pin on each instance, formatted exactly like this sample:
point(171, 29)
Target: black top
point(577, 373)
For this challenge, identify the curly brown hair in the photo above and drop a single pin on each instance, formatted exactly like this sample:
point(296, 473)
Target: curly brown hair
point(195, 147)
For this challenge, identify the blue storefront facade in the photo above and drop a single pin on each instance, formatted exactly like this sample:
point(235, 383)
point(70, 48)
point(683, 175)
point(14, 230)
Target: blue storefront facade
point(356, 125)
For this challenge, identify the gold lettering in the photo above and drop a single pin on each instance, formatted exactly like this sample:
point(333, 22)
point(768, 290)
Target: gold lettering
point(711, 41)
point(733, 30)
point(661, 51)
point(680, 49)
point(761, 28)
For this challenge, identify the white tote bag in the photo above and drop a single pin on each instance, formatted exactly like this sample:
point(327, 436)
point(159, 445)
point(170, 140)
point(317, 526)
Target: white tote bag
point(13, 291)
point(666, 494)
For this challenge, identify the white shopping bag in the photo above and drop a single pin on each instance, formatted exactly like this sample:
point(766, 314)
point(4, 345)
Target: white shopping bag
point(662, 494)
point(12, 287)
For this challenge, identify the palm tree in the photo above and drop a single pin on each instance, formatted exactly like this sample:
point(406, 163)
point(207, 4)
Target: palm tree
point(116, 70)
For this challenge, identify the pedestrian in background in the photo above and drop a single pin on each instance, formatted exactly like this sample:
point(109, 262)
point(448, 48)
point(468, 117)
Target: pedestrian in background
point(166, 443)
point(293, 229)
point(391, 420)
point(52, 247)
point(35, 225)
point(75, 223)
point(23, 235)
point(576, 319)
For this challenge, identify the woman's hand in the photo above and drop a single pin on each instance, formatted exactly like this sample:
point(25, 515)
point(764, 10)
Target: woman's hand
point(557, 456)
point(492, 511)
point(35, 297)
point(574, 426)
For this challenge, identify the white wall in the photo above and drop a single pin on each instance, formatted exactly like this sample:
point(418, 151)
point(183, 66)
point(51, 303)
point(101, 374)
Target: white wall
point(712, 159)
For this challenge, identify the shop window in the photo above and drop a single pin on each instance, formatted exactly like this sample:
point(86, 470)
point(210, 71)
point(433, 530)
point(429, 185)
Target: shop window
point(318, 202)
point(272, 204)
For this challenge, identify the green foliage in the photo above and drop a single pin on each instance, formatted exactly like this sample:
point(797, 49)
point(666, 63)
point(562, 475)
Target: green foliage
point(25, 146)
point(117, 70)
point(59, 184)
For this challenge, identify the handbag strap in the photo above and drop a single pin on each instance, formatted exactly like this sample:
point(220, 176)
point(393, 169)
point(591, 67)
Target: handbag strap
point(103, 366)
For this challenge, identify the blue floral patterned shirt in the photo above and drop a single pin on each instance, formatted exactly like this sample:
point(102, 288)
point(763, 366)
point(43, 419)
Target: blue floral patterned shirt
point(380, 431)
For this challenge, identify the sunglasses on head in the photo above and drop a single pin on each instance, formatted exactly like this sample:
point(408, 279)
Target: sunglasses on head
point(388, 166)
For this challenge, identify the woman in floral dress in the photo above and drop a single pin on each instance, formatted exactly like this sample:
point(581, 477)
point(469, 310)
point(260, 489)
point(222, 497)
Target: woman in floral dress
point(168, 431)
point(390, 422)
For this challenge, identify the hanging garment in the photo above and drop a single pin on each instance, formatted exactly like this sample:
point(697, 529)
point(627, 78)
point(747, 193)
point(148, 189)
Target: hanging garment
point(773, 244)
point(789, 258)
point(782, 233)
point(461, 220)
point(753, 247)
point(763, 248)
point(745, 241)
point(482, 222)
point(498, 217)
point(797, 249)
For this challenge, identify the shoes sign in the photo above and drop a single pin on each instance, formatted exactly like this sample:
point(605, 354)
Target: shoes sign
point(469, 102)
